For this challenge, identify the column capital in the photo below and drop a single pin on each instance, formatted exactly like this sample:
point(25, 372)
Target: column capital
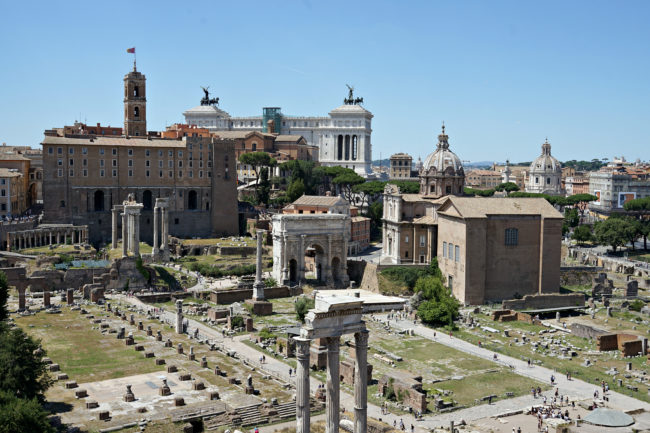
point(302, 347)
point(361, 338)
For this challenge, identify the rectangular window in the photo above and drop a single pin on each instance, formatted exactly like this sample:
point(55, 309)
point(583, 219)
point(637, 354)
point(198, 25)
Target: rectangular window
point(180, 173)
point(180, 164)
point(101, 162)
point(71, 161)
point(84, 150)
point(200, 173)
point(180, 153)
point(190, 164)
point(114, 151)
point(130, 152)
point(60, 172)
point(115, 163)
point(60, 162)
point(190, 173)
point(114, 173)
point(512, 237)
point(147, 173)
point(130, 163)
point(170, 163)
point(160, 153)
point(170, 153)
point(71, 173)
point(71, 150)
point(189, 155)
point(160, 164)
point(444, 249)
point(457, 253)
point(130, 173)
point(171, 173)
point(146, 163)
point(160, 173)
point(423, 240)
point(59, 150)
point(406, 239)
point(85, 172)
point(50, 150)
point(146, 152)
point(101, 173)
point(3, 192)
point(101, 151)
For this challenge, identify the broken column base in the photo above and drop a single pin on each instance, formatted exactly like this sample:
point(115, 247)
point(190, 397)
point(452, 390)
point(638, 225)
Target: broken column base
point(249, 390)
point(260, 308)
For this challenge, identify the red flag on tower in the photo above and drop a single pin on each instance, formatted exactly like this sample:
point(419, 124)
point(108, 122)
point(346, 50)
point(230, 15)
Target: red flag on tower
point(130, 50)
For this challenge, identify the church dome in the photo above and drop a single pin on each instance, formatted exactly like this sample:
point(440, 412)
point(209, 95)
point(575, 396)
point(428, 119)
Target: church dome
point(545, 163)
point(442, 159)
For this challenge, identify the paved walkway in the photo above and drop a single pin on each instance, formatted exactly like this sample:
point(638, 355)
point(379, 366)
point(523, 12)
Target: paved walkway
point(574, 388)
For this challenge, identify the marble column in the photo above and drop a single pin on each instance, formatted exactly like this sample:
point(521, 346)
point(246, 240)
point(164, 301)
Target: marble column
point(164, 229)
point(301, 259)
point(22, 301)
point(332, 407)
point(258, 286)
point(285, 261)
point(114, 228)
point(125, 239)
point(179, 316)
point(302, 385)
point(156, 245)
point(58, 237)
point(136, 234)
point(361, 382)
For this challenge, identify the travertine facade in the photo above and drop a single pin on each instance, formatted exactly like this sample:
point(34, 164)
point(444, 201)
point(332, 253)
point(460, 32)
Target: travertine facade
point(325, 235)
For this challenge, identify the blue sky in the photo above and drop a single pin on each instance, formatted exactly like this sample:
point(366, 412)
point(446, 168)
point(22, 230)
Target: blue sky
point(502, 75)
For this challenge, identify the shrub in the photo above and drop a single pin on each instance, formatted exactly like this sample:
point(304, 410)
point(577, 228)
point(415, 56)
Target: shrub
point(636, 305)
point(237, 322)
point(266, 334)
point(301, 306)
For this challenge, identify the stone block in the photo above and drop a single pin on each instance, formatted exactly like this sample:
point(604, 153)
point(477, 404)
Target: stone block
point(260, 308)
point(139, 348)
point(179, 401)
point(71, 384)
point(81, 393)
point(91, 404)
point(62, 376)
point(172, 369)
point(184, 377)
point(104, 415)
point(213, 395)
point(188, 428)
point(160, 361)
point(149, 355)
point(198, 386)
point(53, 367)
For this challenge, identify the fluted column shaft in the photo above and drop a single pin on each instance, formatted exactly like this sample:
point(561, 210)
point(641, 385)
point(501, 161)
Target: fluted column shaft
point(332, 406)
point(361, 382)
point(302, 385)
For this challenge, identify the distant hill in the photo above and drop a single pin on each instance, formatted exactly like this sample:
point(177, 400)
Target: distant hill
point(384, 162)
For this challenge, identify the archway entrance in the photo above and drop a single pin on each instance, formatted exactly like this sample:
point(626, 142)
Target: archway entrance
point(315, 263)
point(336, 270)
point(293, 271)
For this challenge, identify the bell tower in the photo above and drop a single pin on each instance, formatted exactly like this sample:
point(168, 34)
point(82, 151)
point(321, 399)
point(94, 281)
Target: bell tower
point(135, 104)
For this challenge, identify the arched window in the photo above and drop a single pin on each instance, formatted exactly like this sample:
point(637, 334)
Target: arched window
point(147, 200)
point(254, 146)
point(99, 201)
point(136, 112)
point(512, 236)
point(136, 91)
point(192, 200)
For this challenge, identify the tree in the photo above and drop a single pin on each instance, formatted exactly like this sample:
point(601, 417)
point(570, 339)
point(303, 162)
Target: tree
point(302, 306)
point(507, 187)
point(582, 234)
point(18, 415)
point(22, 370)
point(406, 186)
point(369, 191)
point(571, 217)
point(257, 160)
point(640, 207)
point(264, 189)
point(4, 295)
point(346, 182)
point(295, 190)
point(440, 307)
point(613, 231)
point(312, 176)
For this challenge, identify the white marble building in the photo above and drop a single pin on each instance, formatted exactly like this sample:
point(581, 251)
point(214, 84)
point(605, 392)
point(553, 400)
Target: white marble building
point(343, 136)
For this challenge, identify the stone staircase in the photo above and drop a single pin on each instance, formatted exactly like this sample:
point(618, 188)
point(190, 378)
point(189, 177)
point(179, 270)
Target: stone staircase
point(251, 415)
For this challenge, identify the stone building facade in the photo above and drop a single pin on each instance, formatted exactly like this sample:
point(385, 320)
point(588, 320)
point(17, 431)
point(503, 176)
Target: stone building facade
point(13, 196)
point(487, 248)
point(343, 137)
point(85, 175)
point(493, 248)
point(615, 187)
point(400, 166)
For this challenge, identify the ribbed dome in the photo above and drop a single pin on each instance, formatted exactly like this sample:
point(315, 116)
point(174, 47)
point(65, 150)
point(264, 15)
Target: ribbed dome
point(545, 163)
point(443, 158)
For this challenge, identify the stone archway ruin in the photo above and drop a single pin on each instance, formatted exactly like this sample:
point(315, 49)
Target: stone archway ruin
point(293, 234)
